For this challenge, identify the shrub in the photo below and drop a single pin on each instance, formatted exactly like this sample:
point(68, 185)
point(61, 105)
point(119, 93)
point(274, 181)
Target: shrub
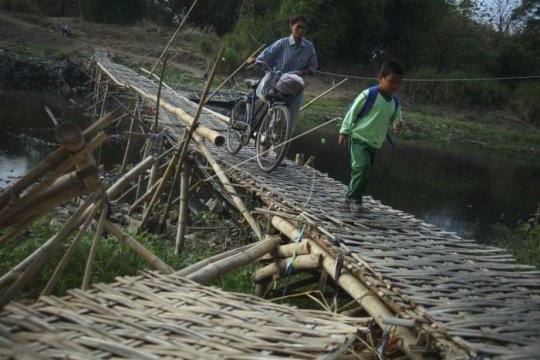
point(525, 102)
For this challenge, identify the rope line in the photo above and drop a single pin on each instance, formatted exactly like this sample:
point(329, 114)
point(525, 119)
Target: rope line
point(282, 144)
point(437, 80)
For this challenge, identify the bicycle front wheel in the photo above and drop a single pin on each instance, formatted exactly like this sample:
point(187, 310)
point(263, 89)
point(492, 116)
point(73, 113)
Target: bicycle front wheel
point(238, 126)
point(272, 138)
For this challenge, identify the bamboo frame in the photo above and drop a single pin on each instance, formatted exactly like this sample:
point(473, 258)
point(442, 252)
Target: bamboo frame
point(242, 258)
point(93, 250)
point(279, 267)
point(134, 245)
point(356, 289)
point(227, 184)
point(182, 215)
point(39, 256)
point(69, 253)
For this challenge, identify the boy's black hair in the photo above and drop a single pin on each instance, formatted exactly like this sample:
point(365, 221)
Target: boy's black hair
point(297, 18)
point(391, 66)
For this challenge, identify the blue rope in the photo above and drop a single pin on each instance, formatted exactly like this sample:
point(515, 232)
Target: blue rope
point(289, 268)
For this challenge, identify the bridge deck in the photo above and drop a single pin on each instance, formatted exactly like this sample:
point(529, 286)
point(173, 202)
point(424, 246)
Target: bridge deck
point(470, 298)
point(153, 316)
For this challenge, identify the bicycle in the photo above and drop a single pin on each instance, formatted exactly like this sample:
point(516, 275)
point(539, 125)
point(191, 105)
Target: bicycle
point(269, 121)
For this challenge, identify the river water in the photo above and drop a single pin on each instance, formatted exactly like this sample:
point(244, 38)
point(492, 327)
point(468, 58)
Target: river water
point(458, 191)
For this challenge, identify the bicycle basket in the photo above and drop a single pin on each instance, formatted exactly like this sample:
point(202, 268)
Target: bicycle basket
point(289, 85)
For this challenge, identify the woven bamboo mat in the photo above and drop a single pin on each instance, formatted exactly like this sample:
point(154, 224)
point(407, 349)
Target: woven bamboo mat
point(153, 316)
point(466, 295)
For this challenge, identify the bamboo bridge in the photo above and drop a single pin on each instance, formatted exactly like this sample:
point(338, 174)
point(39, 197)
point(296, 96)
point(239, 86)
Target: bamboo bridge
point(427, 293)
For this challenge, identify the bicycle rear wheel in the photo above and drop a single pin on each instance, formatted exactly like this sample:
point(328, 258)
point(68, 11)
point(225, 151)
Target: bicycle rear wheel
point(238, 127)
point(272, 138)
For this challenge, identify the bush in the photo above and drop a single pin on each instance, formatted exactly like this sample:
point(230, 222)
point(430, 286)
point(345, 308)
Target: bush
point(206, 46)
point(230, 61)
point(523, 242)
point(525, 102)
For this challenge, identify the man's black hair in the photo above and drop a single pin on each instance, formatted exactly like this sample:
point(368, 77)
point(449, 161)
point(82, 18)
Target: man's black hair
point(297, 18)
point(391, 66)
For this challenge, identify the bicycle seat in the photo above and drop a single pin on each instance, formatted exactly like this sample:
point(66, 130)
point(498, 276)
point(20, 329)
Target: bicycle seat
point(252, 84)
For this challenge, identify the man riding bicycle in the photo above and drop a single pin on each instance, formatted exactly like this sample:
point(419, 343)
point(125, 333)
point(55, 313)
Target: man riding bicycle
point(292, 54)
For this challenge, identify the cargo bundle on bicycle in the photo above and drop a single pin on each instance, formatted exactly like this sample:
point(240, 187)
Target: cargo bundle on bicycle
point(281, 87)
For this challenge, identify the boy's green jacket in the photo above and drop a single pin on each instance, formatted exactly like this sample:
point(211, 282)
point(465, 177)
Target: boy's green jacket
point(373, 126)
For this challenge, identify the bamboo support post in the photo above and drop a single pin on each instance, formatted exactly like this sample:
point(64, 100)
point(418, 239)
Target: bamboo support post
point(279, 267)
point(69, 252)
point(182, 216)
point(228, 186)
point(39, 256)
point(128, 146)
point(171, 195)
point(242, 258)
point(134, 245)
point(354, 287)
point(93, 249)
point(157, 193)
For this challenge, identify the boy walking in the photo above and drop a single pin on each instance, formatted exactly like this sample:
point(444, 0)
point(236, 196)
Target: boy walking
point(365, 125)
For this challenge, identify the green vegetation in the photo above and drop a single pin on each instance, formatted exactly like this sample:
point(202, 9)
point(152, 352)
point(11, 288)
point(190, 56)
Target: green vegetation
point(523, 241)
point(113, 258)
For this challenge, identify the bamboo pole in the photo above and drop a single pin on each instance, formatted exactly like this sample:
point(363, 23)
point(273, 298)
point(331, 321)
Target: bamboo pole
point(223, 266)
point(354, 287)
point(203, 263)
point(134, 245)
point(39, 256)
point(301, 262)
point(69, 253)
point(193, 125)
point(6, 213)
point(324, 93)
point(115, 189)
point(128, 146)
point(93, 250)
point(158, 192)
point(173, 37)
point(64, 188)
point(156, 119)
point(288, 250)
point(144, 197)
point(182, 215)
point(212, 135)
point(235, 72)
point(227, 184)
point(171, 194)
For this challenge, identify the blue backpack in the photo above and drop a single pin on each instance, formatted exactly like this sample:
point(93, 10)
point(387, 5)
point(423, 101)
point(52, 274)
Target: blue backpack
point(370, 100)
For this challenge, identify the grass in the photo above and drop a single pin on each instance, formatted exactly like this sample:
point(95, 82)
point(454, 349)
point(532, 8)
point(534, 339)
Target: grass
point(470, 130)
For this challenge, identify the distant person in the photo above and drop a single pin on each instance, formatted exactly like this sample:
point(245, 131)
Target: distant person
point(205, 78)
point(292, 54)
point(365, 134)
point(64, 27)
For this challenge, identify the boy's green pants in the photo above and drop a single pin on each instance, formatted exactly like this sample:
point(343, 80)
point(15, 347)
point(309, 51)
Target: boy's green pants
point(362, 158)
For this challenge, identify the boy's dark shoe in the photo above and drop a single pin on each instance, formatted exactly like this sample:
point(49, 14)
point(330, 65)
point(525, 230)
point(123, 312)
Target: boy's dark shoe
point(355, 206)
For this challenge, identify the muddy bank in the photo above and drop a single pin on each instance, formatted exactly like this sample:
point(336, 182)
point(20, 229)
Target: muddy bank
point(51, 74)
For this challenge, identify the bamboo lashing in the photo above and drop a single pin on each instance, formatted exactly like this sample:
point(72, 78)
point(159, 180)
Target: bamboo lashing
point(375, 307)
